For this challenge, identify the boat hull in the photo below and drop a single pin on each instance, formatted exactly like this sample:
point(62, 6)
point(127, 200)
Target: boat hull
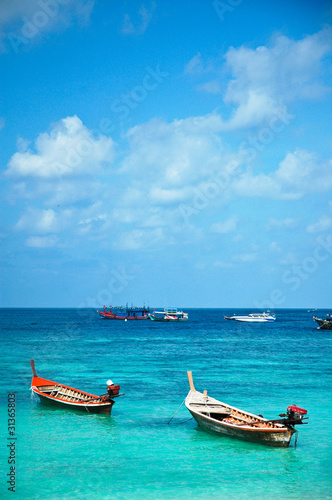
point(124, 313)
point(169, 320)
point(117, 317)
point(86, 408)
point(280, 439)
point(248, 319)
point(64, 396)
point(324, 324)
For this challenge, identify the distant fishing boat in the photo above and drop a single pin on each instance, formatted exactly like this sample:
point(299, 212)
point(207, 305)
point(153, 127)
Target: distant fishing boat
point(62, 395)
point(221, 418)
point(254, 317)
point(169, 314)
point(324, 324)
point(125, 313)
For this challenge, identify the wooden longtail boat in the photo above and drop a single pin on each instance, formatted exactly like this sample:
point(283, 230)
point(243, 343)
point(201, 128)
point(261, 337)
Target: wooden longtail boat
point(62, 395)
point(217, 417)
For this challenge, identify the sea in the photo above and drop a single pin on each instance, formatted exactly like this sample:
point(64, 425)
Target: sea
point(150, 447)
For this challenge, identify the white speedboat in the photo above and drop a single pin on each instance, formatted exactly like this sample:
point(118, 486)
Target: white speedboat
point(254, 317)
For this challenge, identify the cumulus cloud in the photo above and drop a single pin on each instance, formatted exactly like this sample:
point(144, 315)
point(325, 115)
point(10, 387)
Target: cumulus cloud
point(304, 172)
point(70, 149)
point(266, 79)
point(183, 160)
point(174, 156)
point(164, 167)
point(299, 173)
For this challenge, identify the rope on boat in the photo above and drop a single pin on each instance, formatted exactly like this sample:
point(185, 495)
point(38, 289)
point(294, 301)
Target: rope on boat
point(186, 420)
point(176, 411)
point(33, 396)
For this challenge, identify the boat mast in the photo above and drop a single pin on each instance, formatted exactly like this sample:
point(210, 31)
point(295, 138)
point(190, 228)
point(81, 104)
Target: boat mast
point(32, 363)
point(191, 382)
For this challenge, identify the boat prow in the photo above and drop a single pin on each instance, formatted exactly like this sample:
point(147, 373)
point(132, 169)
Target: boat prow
point(215, 416)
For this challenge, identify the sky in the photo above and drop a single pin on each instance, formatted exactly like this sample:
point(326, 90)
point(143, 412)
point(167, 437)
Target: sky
point(166, 153)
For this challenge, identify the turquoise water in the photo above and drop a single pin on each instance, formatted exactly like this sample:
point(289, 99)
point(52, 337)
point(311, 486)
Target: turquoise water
point(135, 454)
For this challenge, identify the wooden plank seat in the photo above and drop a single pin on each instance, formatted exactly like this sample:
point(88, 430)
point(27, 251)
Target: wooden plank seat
point(67, 394)
point(211, 409)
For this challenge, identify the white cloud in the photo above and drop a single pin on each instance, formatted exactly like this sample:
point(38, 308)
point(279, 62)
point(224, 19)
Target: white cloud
point(139, 238)
point(23, 22)
point(288, 223)
point(323, 224)
point(274, 247)
point(165, 167)
point(245, 257)
point(93, 220)
point(16, 9)
point(299, 173)
point(212, 87)
point(43, 221)
point(227, 226)
point(289, 259)
point(265, 80)
point(270, 77)
point(70, 149)
point(146, 15)
point(195, 65)
point(175, 157)
point(222, 264)
point(304, 172)
point(41, 241)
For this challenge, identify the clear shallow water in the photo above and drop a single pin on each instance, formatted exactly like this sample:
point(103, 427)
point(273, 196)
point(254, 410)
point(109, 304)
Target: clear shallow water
point(135, 454)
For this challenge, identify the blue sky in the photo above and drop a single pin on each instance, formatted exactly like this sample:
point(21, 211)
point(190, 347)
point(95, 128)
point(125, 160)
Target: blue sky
point(174, 153)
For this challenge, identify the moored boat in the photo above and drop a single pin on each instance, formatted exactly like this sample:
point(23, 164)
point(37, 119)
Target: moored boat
point(323, 324)
point(226, 420)
point(169, 314)
point(254, 317)
point(62, 395)
point(125, 313)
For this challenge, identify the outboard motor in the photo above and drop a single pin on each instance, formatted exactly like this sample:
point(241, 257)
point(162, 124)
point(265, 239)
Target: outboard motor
point(112, 389)
point(294, 416)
